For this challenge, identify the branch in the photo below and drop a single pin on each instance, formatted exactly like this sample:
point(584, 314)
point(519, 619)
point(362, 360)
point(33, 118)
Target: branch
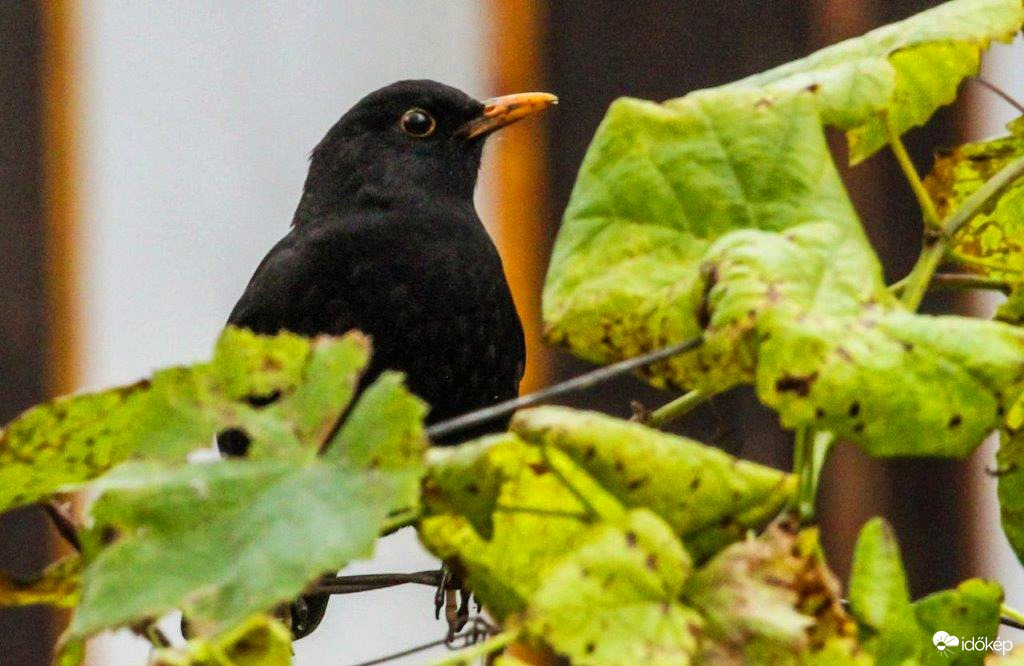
point(675, 409)
point(968, 281)
point(584, 381)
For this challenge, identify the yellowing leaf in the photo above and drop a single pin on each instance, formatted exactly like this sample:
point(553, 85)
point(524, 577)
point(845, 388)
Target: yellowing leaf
point(769, 599)
point(260, 641)
point(991, 243)
point(721, 213)
point(707, 496)
point(906, 69)
point(658, 186)
point(285, 391)
point(538, 515)
point(614, 598)
point(56, 586)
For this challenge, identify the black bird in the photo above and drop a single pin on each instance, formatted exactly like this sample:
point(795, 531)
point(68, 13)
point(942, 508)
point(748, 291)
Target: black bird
point(386, 240)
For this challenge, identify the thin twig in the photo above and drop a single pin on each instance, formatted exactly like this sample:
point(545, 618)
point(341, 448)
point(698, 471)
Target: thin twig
point(676, 409)
point(64, 522)
point(584, 381)
point(1000, 92)
point(968, 281)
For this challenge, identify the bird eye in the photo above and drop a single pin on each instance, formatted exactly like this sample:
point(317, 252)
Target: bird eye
point(418, 123)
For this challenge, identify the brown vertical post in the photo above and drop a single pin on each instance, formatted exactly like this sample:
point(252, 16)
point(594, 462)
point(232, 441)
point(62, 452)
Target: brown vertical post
point(25, 633)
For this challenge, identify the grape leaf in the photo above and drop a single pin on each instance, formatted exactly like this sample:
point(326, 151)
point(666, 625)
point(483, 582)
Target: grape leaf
point(56, 586)
point(259, 641)
point(614, 598)
point(880, 596)
point(659, 184)
point(262, 529)
point(972, 610)
point(1010, 461)
point(538, 515)
point(906, 69)
point(723, 497)
point(285, 391)
point(769, 599)
point(724, 214)
point(991, 243)
point(833, 353)
point(878, 584)
point(893, 629)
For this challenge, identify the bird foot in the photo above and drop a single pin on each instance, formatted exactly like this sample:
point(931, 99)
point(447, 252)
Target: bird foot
point(454, 599)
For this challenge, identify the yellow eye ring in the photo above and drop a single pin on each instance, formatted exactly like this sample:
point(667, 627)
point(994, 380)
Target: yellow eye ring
point(418, 123)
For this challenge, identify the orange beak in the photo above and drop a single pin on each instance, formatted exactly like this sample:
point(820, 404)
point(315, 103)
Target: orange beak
point(505, 110)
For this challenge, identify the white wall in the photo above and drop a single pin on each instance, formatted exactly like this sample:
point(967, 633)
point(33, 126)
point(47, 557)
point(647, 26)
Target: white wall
point(198, 120)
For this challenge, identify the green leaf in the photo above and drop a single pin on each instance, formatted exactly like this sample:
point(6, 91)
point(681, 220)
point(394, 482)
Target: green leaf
point(1010, 465)
point(538, 515)
point(706, 211)
point(880, 596)
point(906, 69)
point(878, 584)
point(659, 185)
point(707, 496)
point(260, 641)
point(991, 243)
point(384, 429)
point(722, 213)
point(614, 598)
point(56, 586)
point(768, 599)
point(970, 611)
point(832, 354)
point(1012, 311)
point(285, 391)
point(894, 630)
point(226, 539)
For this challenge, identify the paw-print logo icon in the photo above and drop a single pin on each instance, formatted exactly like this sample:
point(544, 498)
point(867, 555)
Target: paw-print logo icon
point(944, 642)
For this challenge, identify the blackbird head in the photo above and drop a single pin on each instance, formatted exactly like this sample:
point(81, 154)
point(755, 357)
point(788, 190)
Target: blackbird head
point(408, 139)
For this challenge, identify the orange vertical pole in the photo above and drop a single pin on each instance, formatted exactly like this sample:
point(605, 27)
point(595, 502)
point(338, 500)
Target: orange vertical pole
point(61, 186)
point(519, 185)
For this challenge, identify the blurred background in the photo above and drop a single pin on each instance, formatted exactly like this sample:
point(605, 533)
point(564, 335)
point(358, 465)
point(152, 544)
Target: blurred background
point(152, 152)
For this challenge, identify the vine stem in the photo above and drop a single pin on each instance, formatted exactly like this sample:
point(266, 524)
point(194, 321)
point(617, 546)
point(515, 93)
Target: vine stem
point(931, 214)
point(968, 281)
point(937, 242)
point(1012, 614)
point(677, 408)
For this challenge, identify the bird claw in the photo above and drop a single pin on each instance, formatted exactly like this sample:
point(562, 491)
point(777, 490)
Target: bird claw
point(454, 599)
